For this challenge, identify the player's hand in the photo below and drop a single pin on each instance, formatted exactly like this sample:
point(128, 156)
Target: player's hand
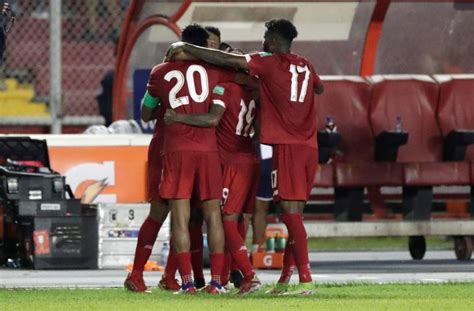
point(170, 116)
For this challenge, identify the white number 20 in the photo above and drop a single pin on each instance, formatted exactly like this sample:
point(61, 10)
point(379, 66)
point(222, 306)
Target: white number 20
point(184, 100)
point(295, 71)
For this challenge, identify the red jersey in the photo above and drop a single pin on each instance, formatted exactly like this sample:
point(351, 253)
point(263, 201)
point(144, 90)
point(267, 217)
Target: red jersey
point(159, 129)
point(288, 112)
point(233, 131)
point(185, 87)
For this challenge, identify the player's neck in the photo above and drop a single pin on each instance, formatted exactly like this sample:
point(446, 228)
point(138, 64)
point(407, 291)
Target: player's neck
point(282, 51)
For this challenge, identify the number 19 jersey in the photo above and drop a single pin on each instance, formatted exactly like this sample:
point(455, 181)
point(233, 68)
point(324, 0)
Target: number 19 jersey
point(288, 113)
point(185, 87)
point(236, 125)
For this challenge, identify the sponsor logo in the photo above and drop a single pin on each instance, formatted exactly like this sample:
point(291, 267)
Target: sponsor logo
point(267, 260)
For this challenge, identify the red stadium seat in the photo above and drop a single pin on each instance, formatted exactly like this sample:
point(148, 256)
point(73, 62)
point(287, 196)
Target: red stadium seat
point(456, 106)
point(324, 176)
point(415, 98)
point(456, 114)
point(346, 99)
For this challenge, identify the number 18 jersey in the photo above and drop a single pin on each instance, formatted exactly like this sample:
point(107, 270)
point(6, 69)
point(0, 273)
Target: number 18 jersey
point(286, 83)
point(185, 87)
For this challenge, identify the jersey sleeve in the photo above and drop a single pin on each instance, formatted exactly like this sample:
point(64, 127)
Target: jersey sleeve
point(153, 85)
point(316, 79)
point(219, 95)
point(259, 63)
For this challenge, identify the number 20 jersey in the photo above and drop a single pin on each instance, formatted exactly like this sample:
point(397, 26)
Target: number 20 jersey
point(288, 112)
point(186, 87)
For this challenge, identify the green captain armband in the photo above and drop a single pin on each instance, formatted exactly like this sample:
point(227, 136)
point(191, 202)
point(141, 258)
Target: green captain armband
point(150, 101)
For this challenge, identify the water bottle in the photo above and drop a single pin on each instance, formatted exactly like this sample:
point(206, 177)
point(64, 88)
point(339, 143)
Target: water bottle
point(165, 251)
point(280, 244)
point(271, 245)
point(398, 124)
point(330, 125)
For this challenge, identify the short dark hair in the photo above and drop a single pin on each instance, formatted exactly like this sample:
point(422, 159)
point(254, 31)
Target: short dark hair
point(195, 34)
point(213, 30)
point(282, 27)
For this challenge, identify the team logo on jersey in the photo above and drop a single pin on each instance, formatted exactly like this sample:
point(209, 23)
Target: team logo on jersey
point(263, 54)
point(219, 90)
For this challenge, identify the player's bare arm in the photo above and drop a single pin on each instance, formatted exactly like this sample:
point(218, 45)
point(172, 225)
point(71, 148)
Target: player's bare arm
point(211, 56)
point(246, 80)
point(210, 119)
point(150, 106)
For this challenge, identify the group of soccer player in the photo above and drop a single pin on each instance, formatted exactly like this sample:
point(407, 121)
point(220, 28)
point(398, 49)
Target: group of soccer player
point(210, 105)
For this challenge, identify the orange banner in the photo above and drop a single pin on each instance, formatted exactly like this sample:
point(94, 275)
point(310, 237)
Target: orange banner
point(119, 170)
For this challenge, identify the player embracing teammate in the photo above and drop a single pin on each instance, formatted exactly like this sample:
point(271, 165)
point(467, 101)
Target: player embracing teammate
point(233, 112)
point(287, 85)
point(198, 97)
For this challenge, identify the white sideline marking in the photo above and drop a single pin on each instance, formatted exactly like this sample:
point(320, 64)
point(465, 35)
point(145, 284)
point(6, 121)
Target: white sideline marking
point(432, 280)
point(367, 278)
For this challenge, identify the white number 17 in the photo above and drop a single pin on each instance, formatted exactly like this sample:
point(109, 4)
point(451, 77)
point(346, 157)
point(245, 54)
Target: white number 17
point(295, 71)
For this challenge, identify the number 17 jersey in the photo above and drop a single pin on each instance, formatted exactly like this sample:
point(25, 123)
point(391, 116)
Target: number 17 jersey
point(186, 87)
point(288, 112)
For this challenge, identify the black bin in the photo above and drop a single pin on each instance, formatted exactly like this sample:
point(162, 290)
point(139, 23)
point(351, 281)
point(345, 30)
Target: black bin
point(65, 242)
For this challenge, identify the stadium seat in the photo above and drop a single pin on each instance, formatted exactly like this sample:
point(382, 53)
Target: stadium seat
point(455, 113)
point(414, 98)
point(346, 100)
point(324, 176)
point(456, 120)
point(16, 101)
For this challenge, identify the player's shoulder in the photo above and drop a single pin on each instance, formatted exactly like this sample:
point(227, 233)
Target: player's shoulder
point(157, 69)
point(211, 67)
point(301, 59)
point(260, 56)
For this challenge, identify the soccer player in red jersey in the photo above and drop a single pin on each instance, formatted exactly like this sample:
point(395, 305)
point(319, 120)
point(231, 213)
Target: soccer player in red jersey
point(190, 157)
point(239, 163)
point(158, 208)
point(288, 123)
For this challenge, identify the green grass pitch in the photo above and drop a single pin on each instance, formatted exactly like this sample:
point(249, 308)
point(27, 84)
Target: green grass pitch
point(448, 296)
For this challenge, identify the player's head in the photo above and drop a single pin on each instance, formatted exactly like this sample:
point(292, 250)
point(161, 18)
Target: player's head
point(195, 34)
point(214, 40)
point(279, 35)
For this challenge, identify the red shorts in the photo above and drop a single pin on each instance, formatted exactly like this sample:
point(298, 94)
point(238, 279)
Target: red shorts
point(186, 171)
point(240, 188)
point(294, 169)
point(154, 170)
